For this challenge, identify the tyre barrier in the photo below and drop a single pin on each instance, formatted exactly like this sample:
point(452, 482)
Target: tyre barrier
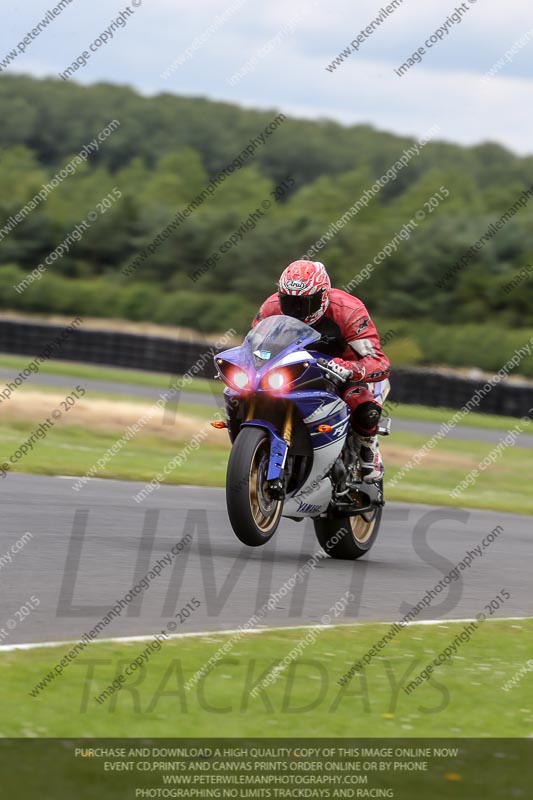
point(160, 354)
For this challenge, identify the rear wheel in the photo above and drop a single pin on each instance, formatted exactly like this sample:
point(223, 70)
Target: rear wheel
point(348, 537)
point(253, 513)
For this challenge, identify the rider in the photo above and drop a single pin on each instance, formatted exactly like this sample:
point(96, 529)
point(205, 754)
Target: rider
point(351, 340)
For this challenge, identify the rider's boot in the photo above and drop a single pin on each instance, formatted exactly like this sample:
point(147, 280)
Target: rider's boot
point(365, 414)
point(370, 458)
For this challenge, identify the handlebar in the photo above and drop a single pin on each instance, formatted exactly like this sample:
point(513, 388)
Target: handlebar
point(333, 377)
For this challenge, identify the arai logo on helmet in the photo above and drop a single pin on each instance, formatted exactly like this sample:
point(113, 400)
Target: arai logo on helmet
point(295, 286)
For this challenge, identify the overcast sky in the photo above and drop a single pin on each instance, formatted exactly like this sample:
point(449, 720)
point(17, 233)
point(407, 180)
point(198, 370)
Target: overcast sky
point(446, 88)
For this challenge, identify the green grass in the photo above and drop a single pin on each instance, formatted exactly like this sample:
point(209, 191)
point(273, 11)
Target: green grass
point(440, 415)
point(199, 410)
point(71, 369)
point(202, 386)
point(463, 698)
point(503, 486)
point(73, 450)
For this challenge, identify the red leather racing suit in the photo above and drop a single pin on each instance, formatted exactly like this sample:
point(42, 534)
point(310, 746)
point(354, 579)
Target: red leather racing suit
point(348, 333)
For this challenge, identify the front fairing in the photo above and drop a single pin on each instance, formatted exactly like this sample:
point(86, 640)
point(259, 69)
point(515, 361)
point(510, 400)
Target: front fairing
point(275, 340)
point(274, 336)
point(282, 344)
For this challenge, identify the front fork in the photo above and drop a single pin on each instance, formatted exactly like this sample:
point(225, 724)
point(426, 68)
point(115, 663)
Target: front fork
point(251, 410)
point(276, 487)
point(279, 446)
point(286, 433)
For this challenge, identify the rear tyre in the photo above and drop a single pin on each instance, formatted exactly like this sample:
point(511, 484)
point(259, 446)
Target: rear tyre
point(253, 513)
point(348, 538)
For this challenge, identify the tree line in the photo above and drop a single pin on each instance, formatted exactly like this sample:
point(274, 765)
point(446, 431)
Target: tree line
point(178, 178)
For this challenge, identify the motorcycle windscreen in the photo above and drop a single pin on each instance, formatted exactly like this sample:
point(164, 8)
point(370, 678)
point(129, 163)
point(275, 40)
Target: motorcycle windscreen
point(273, 335)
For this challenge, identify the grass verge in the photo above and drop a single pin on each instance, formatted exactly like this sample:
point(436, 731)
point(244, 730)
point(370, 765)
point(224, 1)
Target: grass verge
point(72, 369)
point(464, 697)
point(161, 381)
point(76, 444)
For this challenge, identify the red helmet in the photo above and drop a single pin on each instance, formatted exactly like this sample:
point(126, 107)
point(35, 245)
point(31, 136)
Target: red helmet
point(303, 291)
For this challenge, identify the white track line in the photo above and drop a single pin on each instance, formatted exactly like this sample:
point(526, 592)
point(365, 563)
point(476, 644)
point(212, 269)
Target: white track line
point(8, 648)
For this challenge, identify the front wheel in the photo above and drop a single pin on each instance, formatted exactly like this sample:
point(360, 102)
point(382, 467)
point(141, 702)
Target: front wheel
point(253, 513)
point(348, 538)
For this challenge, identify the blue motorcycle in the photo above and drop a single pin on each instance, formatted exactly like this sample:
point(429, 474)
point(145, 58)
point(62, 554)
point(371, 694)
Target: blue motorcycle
point(293, 453)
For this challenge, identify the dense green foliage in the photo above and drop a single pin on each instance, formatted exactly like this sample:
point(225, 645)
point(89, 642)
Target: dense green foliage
point(167, 150)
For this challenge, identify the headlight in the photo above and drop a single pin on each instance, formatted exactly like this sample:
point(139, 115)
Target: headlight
point(240, 379)
point(279, 379)
point(236, 377)
point(276, 380)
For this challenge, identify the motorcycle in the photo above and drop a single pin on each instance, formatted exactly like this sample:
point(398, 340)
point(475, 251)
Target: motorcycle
point(294, 453)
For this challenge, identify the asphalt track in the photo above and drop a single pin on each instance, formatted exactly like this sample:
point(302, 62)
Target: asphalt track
point(465, 432)
point(90, 547)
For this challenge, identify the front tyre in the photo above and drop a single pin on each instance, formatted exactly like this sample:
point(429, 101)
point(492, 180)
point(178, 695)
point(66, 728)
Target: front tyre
point(253, 513)
point(348, 538)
